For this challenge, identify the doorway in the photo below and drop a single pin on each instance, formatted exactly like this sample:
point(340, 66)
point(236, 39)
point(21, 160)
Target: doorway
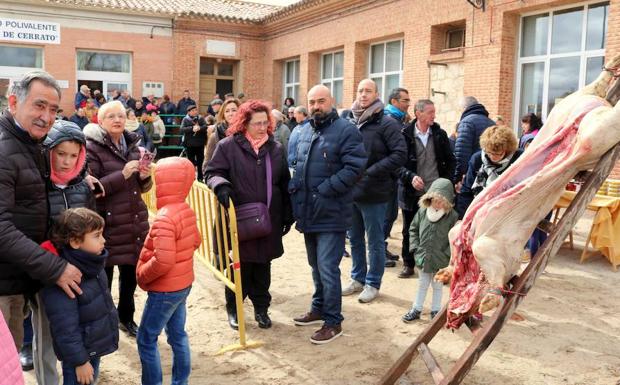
point(217, 76)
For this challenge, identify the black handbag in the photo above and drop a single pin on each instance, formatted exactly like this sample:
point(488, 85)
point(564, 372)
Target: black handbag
point(253, 220)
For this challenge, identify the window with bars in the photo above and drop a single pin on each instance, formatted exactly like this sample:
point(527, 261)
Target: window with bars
point(386, 66)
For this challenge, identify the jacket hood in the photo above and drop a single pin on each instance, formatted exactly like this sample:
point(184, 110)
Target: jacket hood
point(475, 109)
point(174, 177)
point(89, 264)
point(440, 189)
point(97, 134)
point(62, 131)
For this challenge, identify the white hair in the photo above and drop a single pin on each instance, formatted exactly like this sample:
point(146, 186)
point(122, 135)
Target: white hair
point(109, 106)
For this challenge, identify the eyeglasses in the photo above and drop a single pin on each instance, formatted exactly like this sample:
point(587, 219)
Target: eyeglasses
point(119, 116)
point(259, 124)
point(405, 100)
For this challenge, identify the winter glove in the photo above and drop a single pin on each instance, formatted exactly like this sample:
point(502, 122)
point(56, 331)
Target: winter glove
point(285, 229)
point(224, 193)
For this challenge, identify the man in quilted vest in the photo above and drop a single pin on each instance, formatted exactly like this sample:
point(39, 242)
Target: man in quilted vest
point(165, 270)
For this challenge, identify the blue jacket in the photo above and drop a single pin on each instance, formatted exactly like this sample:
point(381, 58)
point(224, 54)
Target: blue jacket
point(326, 162)
point(474, 120)
point(87, 326)
point(79, 98)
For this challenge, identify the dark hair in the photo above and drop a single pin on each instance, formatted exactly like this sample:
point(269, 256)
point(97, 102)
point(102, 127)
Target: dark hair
point(534, 121)
point(74, 224)
point(229, 95)
point(395, 94)
point(244, 115)
point(291, 100)
point(166, 98)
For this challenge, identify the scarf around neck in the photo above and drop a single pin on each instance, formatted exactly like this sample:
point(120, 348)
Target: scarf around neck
point(395, 112)
point(256, 143)
point(362, 115)
point(489, 171)
point(62, 178)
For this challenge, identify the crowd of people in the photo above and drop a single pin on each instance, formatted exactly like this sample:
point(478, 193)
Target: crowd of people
point(74, 210)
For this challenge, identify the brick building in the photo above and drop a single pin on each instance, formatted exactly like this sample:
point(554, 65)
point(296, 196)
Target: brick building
point(515, 56)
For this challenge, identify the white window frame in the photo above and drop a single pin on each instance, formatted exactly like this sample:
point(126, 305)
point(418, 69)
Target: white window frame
point(14, 73)
point(104, 76)
point(583, 54)
point(294, 83)
point(383, 92)
point(332, 79)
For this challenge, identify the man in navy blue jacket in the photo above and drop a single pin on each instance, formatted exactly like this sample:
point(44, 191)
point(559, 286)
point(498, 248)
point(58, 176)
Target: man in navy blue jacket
point(326, 156)
point(474, 120)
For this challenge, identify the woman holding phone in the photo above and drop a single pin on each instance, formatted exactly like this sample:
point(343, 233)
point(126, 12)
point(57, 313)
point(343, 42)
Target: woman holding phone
point(113, 157)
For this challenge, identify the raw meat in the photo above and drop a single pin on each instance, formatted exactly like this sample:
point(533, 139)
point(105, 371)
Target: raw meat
point(487, 244)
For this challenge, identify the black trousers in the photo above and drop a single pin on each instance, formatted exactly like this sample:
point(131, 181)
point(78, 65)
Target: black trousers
point(196, 155)
point(407, 219)
point(127, 286)
point(255, 282)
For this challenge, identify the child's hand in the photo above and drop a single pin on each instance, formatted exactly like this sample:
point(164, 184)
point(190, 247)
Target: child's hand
point(85, 374)
point(444, 275)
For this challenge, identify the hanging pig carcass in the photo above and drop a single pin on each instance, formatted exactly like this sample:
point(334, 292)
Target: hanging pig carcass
point(487, 244)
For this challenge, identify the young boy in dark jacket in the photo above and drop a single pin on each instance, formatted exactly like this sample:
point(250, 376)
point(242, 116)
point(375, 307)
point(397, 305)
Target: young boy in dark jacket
point(84, 328)
point(429, 242)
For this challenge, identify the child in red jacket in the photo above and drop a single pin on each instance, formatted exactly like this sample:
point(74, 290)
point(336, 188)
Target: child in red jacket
point(165, 271)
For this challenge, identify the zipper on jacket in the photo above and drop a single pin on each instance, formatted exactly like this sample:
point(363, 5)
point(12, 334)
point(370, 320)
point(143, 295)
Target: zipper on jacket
point(65, 198)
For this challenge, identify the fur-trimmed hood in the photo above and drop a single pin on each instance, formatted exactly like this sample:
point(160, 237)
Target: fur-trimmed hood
point(440, 189)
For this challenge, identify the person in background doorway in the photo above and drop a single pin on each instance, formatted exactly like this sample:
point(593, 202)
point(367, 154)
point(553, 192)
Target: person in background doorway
point(81, 96)
point(194, 130)
point(215, 105)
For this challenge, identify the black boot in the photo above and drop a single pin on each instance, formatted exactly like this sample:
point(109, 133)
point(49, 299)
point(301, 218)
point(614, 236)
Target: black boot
point(232, 319)
point(264, 322)
point(25, 358)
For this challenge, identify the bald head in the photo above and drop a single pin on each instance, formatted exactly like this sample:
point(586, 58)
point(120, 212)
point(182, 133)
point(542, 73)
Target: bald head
point(367, 93)
point(319, 101)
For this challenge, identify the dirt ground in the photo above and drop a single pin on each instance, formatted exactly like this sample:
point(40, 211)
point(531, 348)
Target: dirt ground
point(571, 332)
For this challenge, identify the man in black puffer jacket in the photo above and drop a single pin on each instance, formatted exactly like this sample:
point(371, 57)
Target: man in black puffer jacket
point(387, 152)
point(194, 130)
point(33, 103)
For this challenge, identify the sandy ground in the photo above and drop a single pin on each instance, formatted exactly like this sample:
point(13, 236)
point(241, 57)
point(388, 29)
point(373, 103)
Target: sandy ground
point(571, 334)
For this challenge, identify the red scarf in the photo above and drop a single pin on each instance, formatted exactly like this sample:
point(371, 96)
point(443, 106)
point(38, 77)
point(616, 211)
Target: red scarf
point(256, 143)
point(63, 178)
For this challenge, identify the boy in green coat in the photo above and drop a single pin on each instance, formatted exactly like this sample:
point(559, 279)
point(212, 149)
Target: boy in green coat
point(428, 237)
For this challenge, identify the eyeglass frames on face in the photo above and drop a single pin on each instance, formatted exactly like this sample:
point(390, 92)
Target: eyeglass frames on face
point(264, 123)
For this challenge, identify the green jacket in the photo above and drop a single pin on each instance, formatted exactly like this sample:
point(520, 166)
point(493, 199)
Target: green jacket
point(429, 240)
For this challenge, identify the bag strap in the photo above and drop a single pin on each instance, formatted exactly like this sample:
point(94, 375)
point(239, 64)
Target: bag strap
point(269, 182)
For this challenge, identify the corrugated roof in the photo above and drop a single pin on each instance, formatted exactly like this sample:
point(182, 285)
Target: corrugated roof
point(227, 9)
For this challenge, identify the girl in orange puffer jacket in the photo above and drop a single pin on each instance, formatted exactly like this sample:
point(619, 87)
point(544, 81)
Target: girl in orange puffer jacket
point(165, 271)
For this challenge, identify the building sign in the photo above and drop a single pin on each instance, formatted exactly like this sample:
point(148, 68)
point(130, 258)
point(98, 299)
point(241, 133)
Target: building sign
point(29, 31)
point(221, 48)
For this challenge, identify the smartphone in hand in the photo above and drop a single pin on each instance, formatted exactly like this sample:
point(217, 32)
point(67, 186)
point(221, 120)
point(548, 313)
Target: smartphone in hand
point(146, 159)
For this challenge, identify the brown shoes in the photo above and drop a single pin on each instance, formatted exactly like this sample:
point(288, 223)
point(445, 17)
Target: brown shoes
point(308, 319)
point(406, 272)
point(326, 334)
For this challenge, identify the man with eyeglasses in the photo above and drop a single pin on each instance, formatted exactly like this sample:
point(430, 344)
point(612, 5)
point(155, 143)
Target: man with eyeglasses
point(397, 107)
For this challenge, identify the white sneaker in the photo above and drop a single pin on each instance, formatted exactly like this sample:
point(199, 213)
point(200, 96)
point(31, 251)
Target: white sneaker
point(368, 294)
point(352, 287)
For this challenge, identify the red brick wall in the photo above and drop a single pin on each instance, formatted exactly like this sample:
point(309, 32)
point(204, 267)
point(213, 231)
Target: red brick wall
point(152, 58)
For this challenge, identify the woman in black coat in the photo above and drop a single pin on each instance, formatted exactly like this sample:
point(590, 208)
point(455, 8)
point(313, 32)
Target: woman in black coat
point(238, 171)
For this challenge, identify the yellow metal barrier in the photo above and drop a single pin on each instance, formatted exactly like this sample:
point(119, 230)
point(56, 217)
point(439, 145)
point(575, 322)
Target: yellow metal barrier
point(219, 248)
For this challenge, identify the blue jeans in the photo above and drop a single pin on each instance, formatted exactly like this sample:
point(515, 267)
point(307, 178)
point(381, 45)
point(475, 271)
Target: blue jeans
point(368, 219)
point(426, 280)
point(164, 310)
point(324, 255)
point(68, 372)
point(391, 213)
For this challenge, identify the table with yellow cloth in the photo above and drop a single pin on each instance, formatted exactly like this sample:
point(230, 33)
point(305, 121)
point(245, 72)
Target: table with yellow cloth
point(605, 231)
